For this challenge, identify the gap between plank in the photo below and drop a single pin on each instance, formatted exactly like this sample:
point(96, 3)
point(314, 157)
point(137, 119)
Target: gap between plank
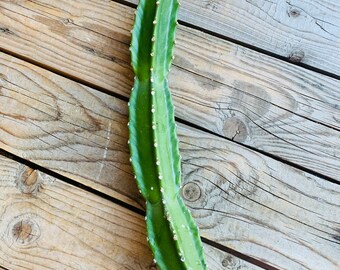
point(239, 255)
point(63, 74)
point(182, 121)
point(134, 209)
point(277, 158)
point(243, 44)
point(70, 181)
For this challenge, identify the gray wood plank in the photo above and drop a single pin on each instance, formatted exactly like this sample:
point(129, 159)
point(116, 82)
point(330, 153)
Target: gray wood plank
point(303, 31)
point(239, 197)
point(265, 103)
point(44, 219)
point(260, 207)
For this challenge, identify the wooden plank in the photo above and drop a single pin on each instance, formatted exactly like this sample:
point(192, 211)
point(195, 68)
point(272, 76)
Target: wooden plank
point(47, 224)
point(258, 206)
point(82, 134)
point(218, 260)
point(259, 101)
point(302, 31)
point(67, 128)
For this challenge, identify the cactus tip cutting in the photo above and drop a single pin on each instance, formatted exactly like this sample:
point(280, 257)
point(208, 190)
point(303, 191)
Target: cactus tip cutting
point(172, 233)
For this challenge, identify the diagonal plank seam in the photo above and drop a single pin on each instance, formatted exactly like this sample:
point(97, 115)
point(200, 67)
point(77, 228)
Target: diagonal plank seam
point(178, 119)
point(244, 44)
point(127, 206)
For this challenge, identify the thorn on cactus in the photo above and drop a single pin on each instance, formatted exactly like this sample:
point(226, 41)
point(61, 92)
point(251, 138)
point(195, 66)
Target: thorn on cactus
point(172, 233)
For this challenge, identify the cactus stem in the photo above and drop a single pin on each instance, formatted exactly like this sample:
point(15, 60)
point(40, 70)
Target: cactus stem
point(156, 159)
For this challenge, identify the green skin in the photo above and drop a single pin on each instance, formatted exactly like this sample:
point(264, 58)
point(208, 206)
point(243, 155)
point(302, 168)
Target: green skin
point(172, 233)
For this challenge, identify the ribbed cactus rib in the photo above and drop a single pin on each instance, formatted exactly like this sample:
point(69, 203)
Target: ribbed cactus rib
point(172, 233)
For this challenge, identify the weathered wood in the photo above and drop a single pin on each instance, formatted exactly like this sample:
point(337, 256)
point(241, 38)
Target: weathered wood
point(259, 206)
point(218, 260)
point(302, 31)
point(66, 127)
point(82, 134)
point(47, 224)
point(260, 101)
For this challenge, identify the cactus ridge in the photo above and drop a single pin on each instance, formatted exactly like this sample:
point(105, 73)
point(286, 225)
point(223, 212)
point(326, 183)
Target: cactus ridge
point(172, 233)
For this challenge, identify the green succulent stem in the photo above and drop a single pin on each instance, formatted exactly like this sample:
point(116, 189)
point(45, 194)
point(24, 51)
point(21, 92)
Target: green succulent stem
point(172, 233)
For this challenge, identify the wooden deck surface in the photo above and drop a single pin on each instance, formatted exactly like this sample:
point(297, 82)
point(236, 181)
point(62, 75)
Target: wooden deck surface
point(256, 85)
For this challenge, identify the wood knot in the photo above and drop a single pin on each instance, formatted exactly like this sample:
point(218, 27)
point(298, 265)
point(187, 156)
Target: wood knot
point(67, 21)
point(3, 80)
point(25, 232)
point(212, 5)
point(293, 12)
point(296, 56)
point(28, 180)
point(235, 129)
point(226, 262)
point(191, 192)
point(229, 263)
point(5, 30)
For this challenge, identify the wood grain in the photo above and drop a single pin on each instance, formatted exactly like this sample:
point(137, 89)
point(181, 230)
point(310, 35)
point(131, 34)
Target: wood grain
point(249, 202)
point(243, 95)
point(66, 127)
point(260, 207)
point(302, 31)
point(218, 260)
point(47, 224)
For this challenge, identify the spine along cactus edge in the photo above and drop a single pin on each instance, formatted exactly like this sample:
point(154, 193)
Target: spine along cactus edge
point(172, 233)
